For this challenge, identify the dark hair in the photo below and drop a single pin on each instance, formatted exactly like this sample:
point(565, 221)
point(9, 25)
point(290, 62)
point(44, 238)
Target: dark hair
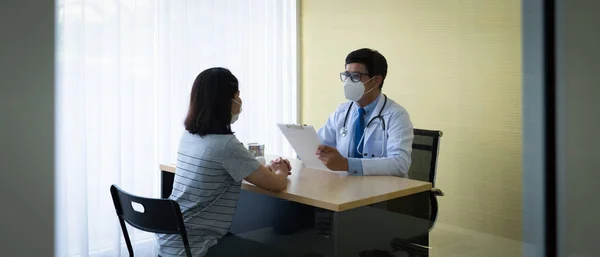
point(374, 62)
point(210, 102)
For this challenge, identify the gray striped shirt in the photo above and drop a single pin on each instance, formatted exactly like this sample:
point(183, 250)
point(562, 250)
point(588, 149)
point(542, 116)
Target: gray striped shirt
point(207, 186)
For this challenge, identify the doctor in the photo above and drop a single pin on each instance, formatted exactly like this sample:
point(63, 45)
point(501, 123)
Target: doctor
point(371, 134)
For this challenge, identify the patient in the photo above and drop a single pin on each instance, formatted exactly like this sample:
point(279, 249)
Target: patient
point(211, 164)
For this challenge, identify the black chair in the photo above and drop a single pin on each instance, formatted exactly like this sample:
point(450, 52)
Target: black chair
point(155, 215)
point(423, 167)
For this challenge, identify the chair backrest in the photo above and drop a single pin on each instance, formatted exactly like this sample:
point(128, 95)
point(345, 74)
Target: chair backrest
point(426, 145)
point(148, 214)
point(424, 156)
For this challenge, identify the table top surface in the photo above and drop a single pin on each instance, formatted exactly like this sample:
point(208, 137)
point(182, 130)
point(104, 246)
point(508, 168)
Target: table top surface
point(335, 191)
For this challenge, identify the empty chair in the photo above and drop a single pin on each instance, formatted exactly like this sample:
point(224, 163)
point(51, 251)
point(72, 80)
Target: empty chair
point(151, 215)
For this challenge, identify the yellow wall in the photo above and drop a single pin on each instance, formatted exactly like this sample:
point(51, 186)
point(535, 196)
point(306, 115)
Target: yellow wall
point(454, 65)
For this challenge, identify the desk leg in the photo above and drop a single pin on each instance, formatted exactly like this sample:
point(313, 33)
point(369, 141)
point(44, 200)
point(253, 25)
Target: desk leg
point(374, 227)
point(166, 183)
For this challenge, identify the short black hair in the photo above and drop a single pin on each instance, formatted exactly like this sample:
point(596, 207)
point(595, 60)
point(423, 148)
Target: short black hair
point(210, 102)
point(374, 62)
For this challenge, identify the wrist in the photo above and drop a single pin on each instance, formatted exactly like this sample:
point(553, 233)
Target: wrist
point(346, 166)
point(280, 172)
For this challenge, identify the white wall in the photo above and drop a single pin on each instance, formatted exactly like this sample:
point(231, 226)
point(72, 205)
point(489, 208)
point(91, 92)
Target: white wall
point(27, 127)
point(578, 119)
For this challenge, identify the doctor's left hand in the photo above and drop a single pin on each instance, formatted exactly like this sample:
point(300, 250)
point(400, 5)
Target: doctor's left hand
point(332, 159)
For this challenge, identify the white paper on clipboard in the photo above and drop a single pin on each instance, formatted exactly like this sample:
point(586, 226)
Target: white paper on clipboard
point(305, 141)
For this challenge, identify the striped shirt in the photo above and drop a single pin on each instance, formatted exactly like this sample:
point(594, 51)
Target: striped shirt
point(207, 185)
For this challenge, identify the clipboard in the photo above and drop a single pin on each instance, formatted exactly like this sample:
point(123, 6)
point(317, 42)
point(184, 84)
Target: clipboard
point(305, 141)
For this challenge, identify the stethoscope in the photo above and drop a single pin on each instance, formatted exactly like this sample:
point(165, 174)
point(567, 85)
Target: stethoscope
point(344, 130)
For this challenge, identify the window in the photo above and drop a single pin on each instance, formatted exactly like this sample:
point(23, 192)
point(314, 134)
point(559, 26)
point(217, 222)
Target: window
point(125, 69)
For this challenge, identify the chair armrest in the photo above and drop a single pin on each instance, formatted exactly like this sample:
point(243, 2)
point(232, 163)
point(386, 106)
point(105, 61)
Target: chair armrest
point(437, 192)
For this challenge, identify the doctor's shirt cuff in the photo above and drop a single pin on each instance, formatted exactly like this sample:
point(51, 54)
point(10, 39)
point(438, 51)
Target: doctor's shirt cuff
point(355, 167)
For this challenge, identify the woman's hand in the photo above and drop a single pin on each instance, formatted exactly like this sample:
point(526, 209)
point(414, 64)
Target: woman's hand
point(280, 163)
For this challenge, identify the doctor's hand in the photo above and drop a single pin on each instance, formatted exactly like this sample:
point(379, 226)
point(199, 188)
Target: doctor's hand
point(332, 159)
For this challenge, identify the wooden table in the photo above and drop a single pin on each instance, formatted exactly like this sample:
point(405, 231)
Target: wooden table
point(384, 207)
point(335, 191)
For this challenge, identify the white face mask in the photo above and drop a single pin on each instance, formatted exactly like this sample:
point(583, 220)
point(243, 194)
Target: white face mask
point(235, 117)
point(354, 91)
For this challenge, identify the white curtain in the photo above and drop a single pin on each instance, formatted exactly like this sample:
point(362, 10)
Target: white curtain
point(125, 70)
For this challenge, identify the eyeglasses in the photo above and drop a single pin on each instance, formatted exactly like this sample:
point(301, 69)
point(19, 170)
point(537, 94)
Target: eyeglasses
point(354, 76)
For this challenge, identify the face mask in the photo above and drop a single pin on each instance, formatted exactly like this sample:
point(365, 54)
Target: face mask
point(353, 91)
point(235, 117)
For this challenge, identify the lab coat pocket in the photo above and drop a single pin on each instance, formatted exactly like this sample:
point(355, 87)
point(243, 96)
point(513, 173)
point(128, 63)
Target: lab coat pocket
point(373, 149)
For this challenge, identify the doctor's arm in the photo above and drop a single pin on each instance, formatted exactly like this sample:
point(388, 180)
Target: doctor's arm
point(400, 137)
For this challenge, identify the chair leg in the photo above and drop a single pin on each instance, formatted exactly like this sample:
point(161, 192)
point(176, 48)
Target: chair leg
point(126, 236)
point(186, 244)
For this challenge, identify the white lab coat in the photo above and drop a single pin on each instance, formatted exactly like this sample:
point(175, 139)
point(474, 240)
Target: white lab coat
point(396, 157)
